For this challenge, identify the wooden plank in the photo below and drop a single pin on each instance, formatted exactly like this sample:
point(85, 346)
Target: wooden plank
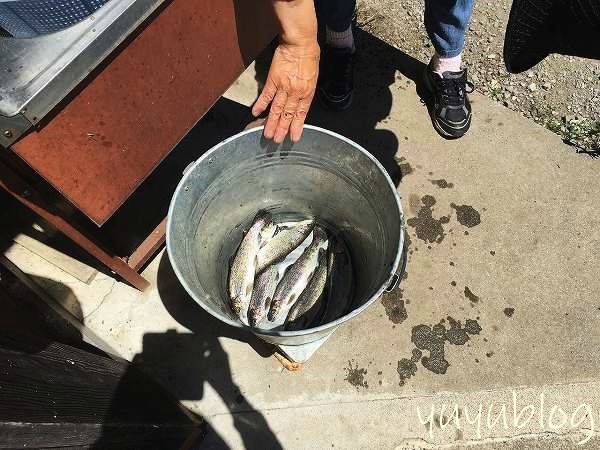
point(71, 396)
point(149, 247)
point(54, 394)
point(97, 435)
point(72, 266)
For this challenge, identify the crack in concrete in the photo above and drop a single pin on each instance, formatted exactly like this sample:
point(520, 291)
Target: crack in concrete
point(112, 287)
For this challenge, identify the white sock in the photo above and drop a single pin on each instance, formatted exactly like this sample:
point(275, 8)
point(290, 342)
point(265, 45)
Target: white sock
point(340, 39)
point(441, 64)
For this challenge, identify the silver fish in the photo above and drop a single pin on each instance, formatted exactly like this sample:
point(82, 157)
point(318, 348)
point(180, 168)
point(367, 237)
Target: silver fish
point(285, 240)
point(340, 283)
point(243, 267)
point(296, 278)
point(262, 294)
point(308, 305)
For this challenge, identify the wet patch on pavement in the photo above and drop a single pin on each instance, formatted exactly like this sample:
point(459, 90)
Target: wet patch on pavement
point(356, 376)
point(442, 184)
point(470, 295)
point(433, 339)
point(394, 306)
point(405, 167)
point(466, 215)
point(426, 227)
point(408, 367)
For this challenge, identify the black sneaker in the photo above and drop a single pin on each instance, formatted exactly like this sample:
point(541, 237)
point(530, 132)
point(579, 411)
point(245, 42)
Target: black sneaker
point(336, 77)
point(450, 110)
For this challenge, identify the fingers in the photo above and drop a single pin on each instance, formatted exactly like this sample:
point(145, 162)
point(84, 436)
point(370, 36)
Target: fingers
point(285, 120)
point(277, 107)
point(299, 118)
point(266, 96)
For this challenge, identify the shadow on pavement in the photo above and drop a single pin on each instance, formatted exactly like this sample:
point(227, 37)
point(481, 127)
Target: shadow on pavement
point(378, 66)
point(187, 363)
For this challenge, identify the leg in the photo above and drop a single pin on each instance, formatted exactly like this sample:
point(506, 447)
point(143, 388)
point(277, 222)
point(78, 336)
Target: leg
point(336, 78)
point(336, 14)
point(446, 22)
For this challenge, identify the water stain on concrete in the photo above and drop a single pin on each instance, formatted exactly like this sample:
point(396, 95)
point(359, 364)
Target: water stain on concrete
point(356, 376)
point(467, 215)
point(508, 312)
point(405, 167)
point(457, 335)
point(394, 306)
point(470, 295)
point(433, 339)
point(426, 227)
point(408, 367)
point(441, 183)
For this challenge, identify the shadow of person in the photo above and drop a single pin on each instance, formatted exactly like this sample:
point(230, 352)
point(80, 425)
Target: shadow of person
point(185, 362)
point(378, 66)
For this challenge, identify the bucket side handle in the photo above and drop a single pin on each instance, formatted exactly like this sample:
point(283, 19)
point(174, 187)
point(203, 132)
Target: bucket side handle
point(393, 283)
point(188, 167)
point(395, 278)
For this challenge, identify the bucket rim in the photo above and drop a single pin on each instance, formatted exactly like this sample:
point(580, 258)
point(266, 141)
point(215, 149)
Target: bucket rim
point(308, 331)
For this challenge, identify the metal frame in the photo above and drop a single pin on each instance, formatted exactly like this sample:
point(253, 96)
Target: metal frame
point(57, 62)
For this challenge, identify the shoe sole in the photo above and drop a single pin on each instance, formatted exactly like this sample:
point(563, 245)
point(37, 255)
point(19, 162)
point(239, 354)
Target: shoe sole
point(431, 111)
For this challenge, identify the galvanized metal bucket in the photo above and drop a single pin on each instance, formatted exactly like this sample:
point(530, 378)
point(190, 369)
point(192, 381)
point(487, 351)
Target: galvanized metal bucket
point(324, 175)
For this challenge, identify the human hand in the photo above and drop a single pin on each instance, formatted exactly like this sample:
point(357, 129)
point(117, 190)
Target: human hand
point(289, 89)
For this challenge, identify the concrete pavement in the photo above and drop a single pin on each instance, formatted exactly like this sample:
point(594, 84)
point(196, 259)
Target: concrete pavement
point(505, 236)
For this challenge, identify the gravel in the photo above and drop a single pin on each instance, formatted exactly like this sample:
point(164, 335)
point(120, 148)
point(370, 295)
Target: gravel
point(561, 93)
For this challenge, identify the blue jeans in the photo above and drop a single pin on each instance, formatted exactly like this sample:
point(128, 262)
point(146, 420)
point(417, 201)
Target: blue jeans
point(445, 21)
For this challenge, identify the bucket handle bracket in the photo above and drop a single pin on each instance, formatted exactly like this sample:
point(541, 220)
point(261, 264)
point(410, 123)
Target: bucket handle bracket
point(393, 283)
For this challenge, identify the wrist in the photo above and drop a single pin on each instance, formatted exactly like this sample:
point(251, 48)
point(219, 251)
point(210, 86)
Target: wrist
point(298, 24)
point(301, 48)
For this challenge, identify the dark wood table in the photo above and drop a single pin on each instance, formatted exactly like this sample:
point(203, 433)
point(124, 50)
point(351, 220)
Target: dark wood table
point(117, 126)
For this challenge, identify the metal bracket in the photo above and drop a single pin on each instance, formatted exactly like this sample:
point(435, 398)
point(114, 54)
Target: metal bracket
point(393, 283)
point(12, 128)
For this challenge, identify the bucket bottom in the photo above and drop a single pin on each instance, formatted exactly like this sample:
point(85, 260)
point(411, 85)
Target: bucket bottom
point(301, 353)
